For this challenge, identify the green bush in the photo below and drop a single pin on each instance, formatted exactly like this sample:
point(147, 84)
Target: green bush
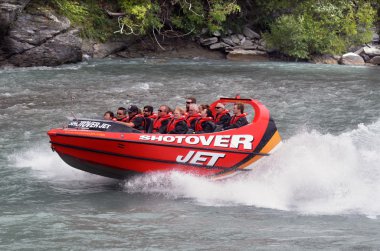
point(322, 27)
point(88, 16)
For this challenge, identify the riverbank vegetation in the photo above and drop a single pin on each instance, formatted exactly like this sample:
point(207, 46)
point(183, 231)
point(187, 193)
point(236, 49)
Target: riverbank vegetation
point(298, 28)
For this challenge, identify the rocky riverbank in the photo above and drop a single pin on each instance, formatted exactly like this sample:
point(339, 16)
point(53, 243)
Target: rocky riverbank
point(40, 37)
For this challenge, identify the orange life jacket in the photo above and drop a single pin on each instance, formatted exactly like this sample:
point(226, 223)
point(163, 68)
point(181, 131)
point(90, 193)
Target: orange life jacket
point(235, 118)
point(218, 116)
point(158, 122)
point(172, 123)
point(198, 123)
point(190, 119)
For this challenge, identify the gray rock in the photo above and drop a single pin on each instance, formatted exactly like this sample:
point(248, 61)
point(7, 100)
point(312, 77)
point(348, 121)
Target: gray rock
point(62, 49)
point(372, 51)
point(35, 29)
point(228, 41)
point(219, 45)
point(235, 39)
point(8, 12)
point(240, 36)
point(324, 59)
point(375, 60)
point(208, 41)
point(106, 49)
point(351, 59)
point(250, 33)
point(250, 55)
point(375, 38)
point(216, 33)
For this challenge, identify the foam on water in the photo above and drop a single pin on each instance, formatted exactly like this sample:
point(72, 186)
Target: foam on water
point(312, 173)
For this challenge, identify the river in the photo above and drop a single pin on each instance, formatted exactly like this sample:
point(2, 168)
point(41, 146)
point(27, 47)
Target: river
point(320, 190)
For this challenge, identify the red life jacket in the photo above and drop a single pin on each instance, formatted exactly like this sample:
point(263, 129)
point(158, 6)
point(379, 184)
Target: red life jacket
point(198, 123)
point(190, 119)
point(130, 119)
point(235, 118)
point(153, 116)
point(172, 123)
point(123, 119)
point(158, 122)
point(218, 116)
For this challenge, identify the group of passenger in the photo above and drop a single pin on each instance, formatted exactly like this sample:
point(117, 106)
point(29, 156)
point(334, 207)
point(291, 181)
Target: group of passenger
point(193, 119)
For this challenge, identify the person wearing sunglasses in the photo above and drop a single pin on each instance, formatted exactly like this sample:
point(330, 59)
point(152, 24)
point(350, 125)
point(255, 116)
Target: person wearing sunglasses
point(162, 120)
point(121, 114)
point(189, 101)
point(222, 115)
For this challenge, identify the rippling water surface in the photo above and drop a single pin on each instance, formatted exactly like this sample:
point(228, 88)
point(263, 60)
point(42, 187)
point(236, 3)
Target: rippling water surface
point(320, 190)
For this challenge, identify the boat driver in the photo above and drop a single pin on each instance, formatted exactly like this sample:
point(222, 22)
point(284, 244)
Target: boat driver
point(239, 119)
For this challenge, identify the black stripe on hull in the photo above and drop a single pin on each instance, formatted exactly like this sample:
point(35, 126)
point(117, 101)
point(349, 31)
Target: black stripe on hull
point(94, 168)
point(269, 132)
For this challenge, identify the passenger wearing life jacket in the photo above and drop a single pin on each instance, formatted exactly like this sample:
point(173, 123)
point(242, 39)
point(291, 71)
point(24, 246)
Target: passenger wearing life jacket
point(193, 116)
point(108, 115)
point(222, 116)
point(162, 120)
point(239, 119)
point(121, 114)
point(177, 125)
point(189, 101)
point(135, 119)
point(205, 123)
point(148, 112)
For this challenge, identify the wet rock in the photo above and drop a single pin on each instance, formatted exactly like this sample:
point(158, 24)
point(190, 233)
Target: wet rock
point(351, 59)
point(247, 55)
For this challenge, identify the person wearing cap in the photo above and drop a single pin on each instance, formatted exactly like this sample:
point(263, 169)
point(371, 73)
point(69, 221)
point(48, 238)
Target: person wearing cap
point(135, 119)
point(239, 119)
point(222, 116)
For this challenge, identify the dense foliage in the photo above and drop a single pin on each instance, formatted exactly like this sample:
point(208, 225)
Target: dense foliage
point(322, 27)
point(298, 28)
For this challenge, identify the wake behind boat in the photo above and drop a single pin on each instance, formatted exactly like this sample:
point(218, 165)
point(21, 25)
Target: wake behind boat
point(112, 149)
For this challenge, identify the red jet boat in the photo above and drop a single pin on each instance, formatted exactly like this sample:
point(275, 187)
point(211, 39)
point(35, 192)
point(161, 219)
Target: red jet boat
point(114, 150)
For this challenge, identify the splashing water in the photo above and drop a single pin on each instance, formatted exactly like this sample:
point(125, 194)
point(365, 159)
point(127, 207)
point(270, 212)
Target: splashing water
point(311, 173)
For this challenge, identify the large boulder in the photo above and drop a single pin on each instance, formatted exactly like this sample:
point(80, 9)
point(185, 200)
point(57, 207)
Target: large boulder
point(41, 38)
point(351, 59)
point(8, 12)
point(62, 49)
point(324, 59)
point(375, 60)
